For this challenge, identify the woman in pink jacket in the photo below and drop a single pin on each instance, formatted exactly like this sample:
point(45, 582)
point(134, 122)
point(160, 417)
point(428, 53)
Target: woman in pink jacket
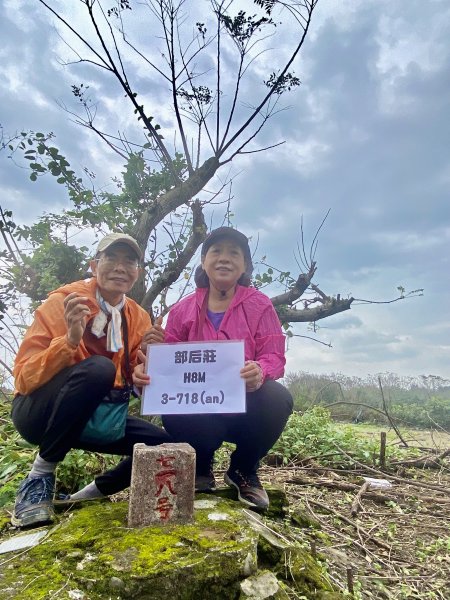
point(225, 307)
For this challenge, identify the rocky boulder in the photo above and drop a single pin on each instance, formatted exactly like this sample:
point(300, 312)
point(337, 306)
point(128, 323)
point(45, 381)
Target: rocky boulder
point(227, 553)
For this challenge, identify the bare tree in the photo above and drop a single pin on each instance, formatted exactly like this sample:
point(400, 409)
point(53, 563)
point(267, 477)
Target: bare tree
point(217, 76)
point(217, 111)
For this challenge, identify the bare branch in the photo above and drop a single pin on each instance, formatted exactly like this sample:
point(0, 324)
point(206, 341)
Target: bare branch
point(8, 239)
point(412, 294)
point(310, 315)
point(309, 8)
point(174, 268)
point(390, 419)
point(6, 367)
point(297, 290)
point(308, 337)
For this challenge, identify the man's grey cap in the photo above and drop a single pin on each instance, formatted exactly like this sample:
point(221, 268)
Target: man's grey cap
point(119, 238)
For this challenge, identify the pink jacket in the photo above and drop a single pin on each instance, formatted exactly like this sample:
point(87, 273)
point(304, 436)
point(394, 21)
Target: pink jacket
point(250, 317)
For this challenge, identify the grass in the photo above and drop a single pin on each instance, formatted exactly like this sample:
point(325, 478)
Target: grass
point(412, 521)
point(314, 435)
point(426, 438)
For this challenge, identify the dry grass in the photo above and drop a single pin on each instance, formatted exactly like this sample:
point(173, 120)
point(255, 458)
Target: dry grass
point(396, 545)
point(425, 438)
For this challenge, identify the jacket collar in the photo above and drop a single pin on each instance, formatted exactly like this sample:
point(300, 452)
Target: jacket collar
point(87, 287)
point(242, 293)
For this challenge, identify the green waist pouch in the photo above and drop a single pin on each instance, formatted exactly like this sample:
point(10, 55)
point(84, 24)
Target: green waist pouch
point(107, 423)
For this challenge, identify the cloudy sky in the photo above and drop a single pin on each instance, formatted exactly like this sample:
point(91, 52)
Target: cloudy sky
point(367, 135)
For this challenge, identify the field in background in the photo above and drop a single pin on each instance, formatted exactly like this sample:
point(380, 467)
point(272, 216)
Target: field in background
point(425, 438)
point(407, 402)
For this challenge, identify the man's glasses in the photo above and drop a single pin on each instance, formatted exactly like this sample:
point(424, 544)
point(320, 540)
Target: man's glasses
point(130, 264)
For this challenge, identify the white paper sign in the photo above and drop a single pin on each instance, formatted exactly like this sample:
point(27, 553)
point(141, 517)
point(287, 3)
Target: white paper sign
point(194, 378)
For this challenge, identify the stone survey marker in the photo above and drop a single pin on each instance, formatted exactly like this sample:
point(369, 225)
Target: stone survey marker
point(162, 485)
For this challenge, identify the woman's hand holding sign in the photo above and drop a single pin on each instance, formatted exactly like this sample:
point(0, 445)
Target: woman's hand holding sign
point(252, 374)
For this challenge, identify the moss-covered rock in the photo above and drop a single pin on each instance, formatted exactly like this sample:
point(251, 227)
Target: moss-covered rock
point(262, 586)
point(304, 520)
point(5, 520)
point(92, 555)
point(292, 562)
point(95, 553)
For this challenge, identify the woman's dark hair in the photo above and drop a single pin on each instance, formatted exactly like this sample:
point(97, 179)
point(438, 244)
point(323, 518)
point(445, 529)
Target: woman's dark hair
point(201, 278)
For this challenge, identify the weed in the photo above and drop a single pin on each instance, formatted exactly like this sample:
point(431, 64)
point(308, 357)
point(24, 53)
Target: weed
point(17, 455)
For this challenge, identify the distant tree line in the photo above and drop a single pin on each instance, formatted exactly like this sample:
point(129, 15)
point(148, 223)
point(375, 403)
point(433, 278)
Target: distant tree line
point(422, 402)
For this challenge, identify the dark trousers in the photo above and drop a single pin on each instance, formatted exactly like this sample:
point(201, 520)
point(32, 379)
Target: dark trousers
point(254, 432)
point(54, 415)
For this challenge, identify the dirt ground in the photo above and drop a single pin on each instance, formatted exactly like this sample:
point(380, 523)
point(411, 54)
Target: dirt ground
point(391, 542)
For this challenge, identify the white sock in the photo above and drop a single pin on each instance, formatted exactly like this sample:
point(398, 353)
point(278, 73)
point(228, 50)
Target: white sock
point(89, 492)
point(42, 467)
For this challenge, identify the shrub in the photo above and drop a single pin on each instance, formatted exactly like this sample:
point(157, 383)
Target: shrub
point(314, 435)
point(17, 455)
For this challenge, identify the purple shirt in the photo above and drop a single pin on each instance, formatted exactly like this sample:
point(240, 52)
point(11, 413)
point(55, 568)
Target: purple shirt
point(250, 317)
point(215, 318)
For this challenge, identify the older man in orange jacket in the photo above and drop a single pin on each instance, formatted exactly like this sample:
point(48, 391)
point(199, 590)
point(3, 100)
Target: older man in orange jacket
point(80, 350)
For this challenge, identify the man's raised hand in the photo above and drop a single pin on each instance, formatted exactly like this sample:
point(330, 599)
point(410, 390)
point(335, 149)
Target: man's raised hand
point(76, 315)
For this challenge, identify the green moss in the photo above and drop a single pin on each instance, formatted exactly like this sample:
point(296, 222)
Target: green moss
point(305, 574)
point(292, 562)
point(268, 554)
point(94, 549)
point(296, 567)
point(302, 519)
point(5, 520)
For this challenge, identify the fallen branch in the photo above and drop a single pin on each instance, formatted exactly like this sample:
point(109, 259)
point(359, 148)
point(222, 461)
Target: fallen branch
point(350, 522)
point(374, 496)
point(379, 473)
point(356, 505)
point(423, 462)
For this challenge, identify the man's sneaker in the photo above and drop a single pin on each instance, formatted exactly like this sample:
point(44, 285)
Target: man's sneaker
point(34, 501)
point(205, 483)
point(249, 488)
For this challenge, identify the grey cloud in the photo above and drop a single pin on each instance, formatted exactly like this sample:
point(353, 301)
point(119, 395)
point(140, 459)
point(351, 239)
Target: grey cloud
point(371, 142)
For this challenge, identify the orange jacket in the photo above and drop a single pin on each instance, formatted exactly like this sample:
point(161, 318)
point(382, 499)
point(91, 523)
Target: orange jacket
point(44, 351)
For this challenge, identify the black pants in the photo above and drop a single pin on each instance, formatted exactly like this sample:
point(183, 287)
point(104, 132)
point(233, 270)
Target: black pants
point(253, 432)
point(54, 415)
